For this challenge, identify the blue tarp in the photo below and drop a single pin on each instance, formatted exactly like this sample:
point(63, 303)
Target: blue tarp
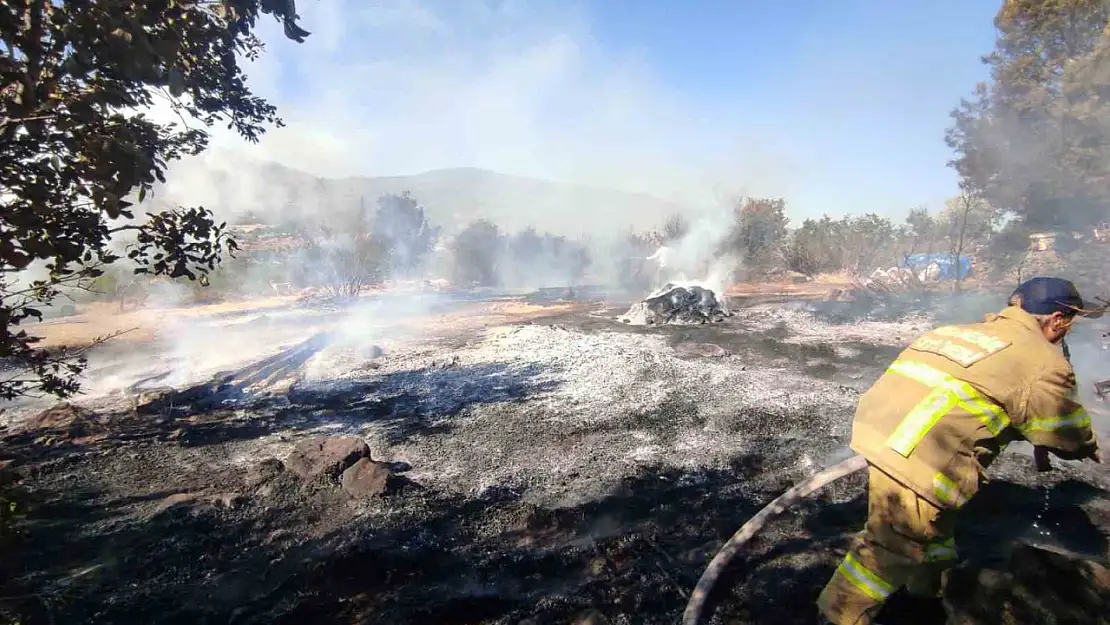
point(946, 261)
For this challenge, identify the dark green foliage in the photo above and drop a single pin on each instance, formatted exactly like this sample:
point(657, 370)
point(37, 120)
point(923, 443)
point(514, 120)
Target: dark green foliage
point(72, 153)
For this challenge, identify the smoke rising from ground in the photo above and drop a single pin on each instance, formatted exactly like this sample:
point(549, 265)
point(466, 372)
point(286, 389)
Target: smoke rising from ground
point(408, 86)
point(404, 87)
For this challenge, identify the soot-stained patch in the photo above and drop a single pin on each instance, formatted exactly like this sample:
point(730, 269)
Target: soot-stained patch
point(565, 468)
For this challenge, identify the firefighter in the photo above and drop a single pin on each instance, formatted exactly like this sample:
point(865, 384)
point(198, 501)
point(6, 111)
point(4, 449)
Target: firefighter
point(933, 423)
point(662, 273)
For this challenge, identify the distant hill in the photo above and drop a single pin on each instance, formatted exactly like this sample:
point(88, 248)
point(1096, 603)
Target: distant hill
point(234, 186)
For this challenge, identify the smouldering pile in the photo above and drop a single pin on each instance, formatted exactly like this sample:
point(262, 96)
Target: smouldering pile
point(678, 305)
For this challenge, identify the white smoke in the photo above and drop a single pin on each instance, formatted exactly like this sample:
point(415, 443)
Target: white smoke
point(702, 257)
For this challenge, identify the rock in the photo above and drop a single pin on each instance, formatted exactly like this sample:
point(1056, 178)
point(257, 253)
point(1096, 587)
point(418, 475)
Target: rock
point(264, 471)
point(366, 479)
point(58, 417)
point(325, 458)
point(153, 400)
point(1035, 586)
point(65, 422)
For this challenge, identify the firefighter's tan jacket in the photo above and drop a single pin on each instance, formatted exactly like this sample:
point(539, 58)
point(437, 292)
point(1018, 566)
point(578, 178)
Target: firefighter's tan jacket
point(958, 395)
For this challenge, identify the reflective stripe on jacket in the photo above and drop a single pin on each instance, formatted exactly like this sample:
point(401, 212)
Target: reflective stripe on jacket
point(958, 395)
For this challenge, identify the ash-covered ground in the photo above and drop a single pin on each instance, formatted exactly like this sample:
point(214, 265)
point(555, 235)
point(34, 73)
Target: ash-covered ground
point(557, 466)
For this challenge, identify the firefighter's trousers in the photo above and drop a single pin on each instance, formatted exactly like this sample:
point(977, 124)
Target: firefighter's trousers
point(907, 542)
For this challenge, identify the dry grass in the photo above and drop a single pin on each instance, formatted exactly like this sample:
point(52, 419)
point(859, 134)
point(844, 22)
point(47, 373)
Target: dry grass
point(100, 319)
point(819, 287)
point(141, 326)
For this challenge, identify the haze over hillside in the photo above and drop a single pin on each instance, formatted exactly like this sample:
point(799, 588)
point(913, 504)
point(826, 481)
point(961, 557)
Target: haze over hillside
point(233, 186)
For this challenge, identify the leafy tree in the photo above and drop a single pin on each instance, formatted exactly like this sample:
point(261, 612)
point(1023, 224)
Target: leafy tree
point(526, 246)
point(578, 259)
point(402, 227)
point(542, 260)
point(631, 270)
point(1008, 249)
point(869, 242)
point(117, 283)
point(476, 251)
point(922, 231)
point(970, 220)
point(816, 246)
point(853, 243)
point(73, 149)
point(675, 228)
point(802, 253)
point(759, 231)
point(967, 219)
point(343, 256)
point(1032, 140)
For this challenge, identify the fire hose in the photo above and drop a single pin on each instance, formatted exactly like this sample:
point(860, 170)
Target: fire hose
point(699, 598)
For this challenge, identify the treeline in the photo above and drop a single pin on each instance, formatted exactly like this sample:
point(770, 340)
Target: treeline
point(858, 244)
point(343, 251)
point(762, 239)
point(483, 255)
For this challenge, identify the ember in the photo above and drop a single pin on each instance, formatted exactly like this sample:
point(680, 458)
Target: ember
point(678, 305)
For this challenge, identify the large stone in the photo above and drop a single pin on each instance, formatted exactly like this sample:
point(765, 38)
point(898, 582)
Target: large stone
point(65, 422)
point(1035, 586)
point(325, 458)
point(61, 416)
point(153, 400)
point(366, 478)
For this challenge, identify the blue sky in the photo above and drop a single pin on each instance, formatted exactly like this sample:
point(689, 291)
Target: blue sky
point(837, 106)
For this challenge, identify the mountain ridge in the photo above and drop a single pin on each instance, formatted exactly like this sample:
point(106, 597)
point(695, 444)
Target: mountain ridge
point(233, 186)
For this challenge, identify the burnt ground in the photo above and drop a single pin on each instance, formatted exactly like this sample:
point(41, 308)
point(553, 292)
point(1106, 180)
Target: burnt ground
point(566, 469)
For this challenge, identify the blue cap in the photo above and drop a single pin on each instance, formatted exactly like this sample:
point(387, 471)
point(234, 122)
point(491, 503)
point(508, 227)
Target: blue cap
point(1044, 296)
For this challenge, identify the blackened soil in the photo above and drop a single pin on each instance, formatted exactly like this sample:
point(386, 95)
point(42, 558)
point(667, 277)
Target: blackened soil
point(287, 554)
point(748, 348)
point(138, 529)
